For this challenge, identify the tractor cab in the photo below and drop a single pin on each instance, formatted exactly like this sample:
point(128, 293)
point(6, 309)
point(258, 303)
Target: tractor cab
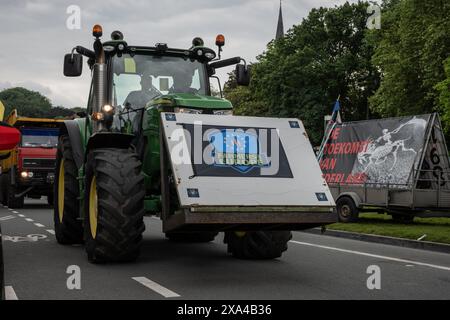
point(127, 78)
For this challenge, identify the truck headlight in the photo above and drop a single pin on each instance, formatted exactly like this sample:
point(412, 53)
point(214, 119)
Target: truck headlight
point(25, 174)
point(187, 110)
point(228, 112)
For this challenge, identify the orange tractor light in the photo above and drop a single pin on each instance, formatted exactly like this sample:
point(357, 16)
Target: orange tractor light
point(97, 31)
point(220, 40)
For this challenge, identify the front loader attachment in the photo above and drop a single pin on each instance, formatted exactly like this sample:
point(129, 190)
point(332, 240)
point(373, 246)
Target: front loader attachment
point(240, 173)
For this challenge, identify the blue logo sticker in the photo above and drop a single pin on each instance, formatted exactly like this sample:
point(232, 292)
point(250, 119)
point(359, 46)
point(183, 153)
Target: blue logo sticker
point(171, 117)
point(193, 193)
point(321, 196)
point(294, 124)
point(237, 149)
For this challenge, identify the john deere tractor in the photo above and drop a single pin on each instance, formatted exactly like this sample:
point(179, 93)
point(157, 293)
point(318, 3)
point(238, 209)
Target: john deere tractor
point(115, 163)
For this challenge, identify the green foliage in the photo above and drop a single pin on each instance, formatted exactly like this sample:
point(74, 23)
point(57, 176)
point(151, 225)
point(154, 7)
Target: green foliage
point(301, 75)
point(414, 42)
point(443, 88)
point(28, 103)
point(33, 104)
point(397, 70)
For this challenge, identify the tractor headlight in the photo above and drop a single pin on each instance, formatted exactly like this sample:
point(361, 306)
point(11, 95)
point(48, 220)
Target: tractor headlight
point(187, 110)
point(228, 112)
point(107, 108)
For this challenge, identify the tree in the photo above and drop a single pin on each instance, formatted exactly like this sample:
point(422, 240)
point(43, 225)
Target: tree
point(33, 104)
point(301, 74)
point(443, 88)
point(414, 42)
point(28, 103)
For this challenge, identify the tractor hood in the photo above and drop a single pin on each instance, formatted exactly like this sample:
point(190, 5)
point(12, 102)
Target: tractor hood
point(189, 100)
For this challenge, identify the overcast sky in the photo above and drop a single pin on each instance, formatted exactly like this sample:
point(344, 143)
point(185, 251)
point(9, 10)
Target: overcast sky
point(34, 36)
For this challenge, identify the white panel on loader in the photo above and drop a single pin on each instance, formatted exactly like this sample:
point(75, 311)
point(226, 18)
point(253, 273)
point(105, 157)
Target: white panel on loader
point(243, 161)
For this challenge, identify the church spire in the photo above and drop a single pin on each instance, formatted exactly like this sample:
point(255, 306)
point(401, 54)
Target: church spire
point(280, 28)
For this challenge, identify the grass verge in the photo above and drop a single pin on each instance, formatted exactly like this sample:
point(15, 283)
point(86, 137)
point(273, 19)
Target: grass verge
point(435, 229)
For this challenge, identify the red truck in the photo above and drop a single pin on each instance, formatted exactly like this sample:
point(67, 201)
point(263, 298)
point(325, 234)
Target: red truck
point(29, 168)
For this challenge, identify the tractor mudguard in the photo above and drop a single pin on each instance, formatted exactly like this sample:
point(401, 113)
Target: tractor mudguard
point(109, 140)
point(74, 130)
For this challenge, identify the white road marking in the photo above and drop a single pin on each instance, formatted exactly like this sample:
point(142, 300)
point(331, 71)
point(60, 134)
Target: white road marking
point(29, 220)
point(39, 225)
point(10, 294)
point(9, 209)
point(6, 218)
point(156, 287)
point(50, 231)
point(21, 215)
point(374, 255)
point(15, 212)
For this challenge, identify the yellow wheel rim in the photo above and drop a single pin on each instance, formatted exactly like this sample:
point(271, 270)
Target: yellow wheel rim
point(93, 204)
point(240, 234)
point(61, 191)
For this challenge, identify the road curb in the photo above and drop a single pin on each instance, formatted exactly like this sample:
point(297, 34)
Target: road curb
point(407, 243)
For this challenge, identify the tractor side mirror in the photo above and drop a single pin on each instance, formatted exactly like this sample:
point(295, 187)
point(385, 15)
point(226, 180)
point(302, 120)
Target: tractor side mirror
point(242, 75)
point(73, 65)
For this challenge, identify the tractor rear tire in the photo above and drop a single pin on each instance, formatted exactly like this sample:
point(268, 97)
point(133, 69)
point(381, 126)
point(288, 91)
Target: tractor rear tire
point(68, 226)
point(257, 244)
point(114, 205)
point(191, 236)
point(347, 210)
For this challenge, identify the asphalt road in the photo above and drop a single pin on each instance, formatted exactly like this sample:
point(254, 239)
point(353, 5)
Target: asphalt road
point(314, 267)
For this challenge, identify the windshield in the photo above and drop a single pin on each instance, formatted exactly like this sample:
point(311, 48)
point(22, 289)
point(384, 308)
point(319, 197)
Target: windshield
point(39, 138)
point(139, 79)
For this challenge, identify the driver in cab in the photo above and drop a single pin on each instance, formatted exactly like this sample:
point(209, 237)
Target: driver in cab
point(140, 98)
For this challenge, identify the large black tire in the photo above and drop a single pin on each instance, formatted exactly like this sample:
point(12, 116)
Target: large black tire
point(257, 244)
point(68, 225)
point(347, 210)
point(117, 204)
point(191, 236)
point(13, 201)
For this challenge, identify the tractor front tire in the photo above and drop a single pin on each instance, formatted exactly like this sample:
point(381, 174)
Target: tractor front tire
point(114, 205)
point(68, 226)
point(257, 244)
point(191, 236)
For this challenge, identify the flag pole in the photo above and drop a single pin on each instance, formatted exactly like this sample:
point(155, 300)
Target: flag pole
point(330, 127)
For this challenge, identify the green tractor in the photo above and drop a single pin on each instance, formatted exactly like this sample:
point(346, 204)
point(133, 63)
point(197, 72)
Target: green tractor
point(114, 166)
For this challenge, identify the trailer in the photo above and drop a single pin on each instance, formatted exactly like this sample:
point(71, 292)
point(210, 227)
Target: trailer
point(394, 165)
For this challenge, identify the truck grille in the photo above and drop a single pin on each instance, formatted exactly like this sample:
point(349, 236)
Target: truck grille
point(38, 163)
point(39, 176)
